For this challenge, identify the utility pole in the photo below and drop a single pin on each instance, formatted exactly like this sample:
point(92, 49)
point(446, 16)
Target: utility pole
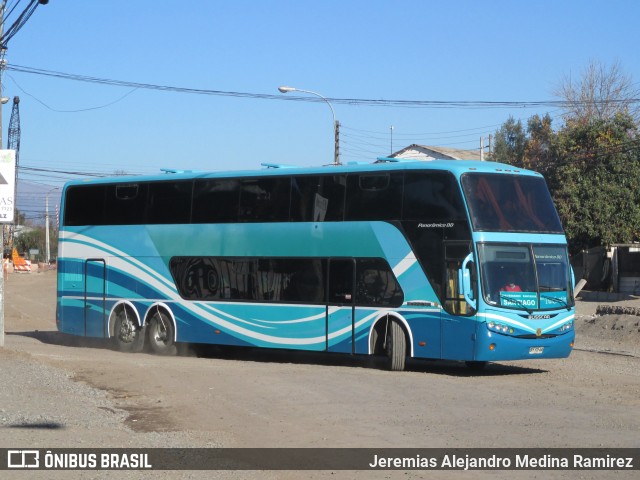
point(2, 64)
point(46, 220)
point(336, 123)
point(46, 217)
point(391, 152)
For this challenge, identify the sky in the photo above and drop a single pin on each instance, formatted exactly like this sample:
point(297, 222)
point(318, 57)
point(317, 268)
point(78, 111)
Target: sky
point(427, 50)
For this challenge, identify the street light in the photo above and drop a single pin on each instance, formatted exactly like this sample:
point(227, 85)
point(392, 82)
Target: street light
point(336, 125)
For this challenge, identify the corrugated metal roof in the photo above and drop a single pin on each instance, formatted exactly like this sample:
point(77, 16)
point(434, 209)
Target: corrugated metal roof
point(427, 152)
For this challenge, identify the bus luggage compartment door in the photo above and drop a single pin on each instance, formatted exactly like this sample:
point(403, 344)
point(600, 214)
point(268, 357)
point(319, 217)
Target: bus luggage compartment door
point(95, 315)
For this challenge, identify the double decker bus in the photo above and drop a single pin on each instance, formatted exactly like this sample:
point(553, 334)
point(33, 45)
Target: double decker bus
point(452, 260)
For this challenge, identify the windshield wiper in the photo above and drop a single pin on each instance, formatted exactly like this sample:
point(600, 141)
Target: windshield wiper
point(557, 300)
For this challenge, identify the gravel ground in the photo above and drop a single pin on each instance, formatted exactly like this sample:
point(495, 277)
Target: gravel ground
point(597, 329)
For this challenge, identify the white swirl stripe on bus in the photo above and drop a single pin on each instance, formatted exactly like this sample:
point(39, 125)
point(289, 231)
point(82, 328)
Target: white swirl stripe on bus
point(87, 251)
point(405, 264)
point(311, 318)
point(84, 247)
point(515, 323)
point(560, 322)
point(71, 242)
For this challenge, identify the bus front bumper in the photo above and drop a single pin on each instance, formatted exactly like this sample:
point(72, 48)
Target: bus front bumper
point(492, 346)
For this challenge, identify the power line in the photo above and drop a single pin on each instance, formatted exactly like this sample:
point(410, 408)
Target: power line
point(477, 130)
point(119, 99)
point(19, 22)
point(461, 104)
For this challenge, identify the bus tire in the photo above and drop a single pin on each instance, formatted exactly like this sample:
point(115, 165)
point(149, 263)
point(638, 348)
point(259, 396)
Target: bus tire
point(396, 347)
point(161, 334)
point(127, 335)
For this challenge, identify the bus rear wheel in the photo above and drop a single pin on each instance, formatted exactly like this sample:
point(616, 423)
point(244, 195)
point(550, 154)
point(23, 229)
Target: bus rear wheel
point(161, 334)
point(396, 347)
point(127, 336)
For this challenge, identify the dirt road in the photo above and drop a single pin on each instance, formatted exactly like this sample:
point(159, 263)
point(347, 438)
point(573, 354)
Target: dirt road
point(58, 393)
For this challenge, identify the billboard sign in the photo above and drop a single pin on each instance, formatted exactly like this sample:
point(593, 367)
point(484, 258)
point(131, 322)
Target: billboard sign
point(7, 185)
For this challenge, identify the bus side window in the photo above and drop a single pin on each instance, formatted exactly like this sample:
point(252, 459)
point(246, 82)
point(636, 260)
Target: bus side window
point(318, 198)
point(376, 285)
point(169, 202)
point(126, 204)
point(84, 205)
point(432, 196)
point(264, 199)
point(303, 280)
point(341, 282)
point(374, 196)
point(215, 201)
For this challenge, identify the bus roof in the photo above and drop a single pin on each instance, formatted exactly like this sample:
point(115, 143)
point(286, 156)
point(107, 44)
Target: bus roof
point(457, 167)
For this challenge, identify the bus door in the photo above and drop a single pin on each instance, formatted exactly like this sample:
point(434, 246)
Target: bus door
point(458, 317)
point(95, 314)
point(341, 305)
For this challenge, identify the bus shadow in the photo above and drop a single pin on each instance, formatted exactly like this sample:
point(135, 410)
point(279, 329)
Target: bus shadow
point(460, 369)
point(52, 337)
point(438, 367)
point(258, 355)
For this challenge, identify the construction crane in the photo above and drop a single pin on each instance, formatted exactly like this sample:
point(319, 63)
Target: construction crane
point(13, 143)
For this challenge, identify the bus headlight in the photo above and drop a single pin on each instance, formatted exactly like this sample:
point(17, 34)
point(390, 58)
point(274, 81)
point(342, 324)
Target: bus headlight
point(500, 327)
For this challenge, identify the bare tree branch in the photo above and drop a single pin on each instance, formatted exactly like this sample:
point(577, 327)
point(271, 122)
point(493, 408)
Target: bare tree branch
point(601, 93)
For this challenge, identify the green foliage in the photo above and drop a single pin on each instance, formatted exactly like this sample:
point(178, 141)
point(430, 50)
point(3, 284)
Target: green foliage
point(510, 143)
point(593, 172)
point(539, 150)
point(33, 239)
point(36, 239)
point(596, 181)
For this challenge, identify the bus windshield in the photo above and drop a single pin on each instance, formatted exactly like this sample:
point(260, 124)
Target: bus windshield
point(525, 277)
point(509, 203)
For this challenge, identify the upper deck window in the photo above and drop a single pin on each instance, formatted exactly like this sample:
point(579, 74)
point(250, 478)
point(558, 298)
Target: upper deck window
point(509, 203)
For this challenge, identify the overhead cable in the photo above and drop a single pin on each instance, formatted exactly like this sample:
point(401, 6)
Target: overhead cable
point(464, 104)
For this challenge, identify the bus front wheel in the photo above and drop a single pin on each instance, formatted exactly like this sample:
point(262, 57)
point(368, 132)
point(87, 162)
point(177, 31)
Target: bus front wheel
point(161, 334)
point(396, 347)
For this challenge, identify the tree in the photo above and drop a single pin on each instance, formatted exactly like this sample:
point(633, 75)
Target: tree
point(595, 181)
point(593, 172)
point(510, 143)
point(531, 149)
point(35, 239)
point(539, 152)
point(592, 163)
point(601, 93)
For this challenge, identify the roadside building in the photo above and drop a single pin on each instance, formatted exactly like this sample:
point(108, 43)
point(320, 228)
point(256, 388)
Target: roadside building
point(427, 153)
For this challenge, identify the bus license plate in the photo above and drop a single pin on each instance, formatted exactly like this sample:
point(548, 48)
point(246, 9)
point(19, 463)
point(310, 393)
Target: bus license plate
point(535, 350)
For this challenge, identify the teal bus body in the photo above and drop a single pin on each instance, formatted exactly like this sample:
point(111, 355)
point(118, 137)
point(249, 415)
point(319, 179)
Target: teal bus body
point(371, 276)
